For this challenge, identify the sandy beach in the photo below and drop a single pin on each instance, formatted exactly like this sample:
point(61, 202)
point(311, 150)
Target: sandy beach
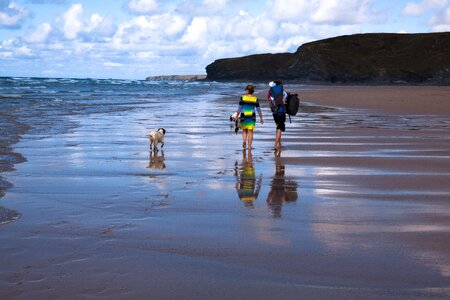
point(355, 206)
point(401, 100)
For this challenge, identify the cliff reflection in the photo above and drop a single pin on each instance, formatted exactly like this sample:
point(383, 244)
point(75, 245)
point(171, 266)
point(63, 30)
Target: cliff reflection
point(281, 190)
point(8, 215)
point(247, 185)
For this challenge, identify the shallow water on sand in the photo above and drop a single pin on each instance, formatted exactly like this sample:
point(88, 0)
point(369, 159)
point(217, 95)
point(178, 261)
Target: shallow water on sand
point(356, 205)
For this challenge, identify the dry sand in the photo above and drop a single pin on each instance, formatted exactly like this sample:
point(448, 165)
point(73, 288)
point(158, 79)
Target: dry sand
point(387, 99)
point(356, 206)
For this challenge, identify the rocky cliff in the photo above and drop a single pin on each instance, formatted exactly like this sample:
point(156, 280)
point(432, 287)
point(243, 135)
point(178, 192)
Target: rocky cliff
point(361, 58)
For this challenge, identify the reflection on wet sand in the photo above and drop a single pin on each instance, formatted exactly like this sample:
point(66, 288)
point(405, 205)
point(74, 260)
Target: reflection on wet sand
point(8, 215)
point(156, 161)
point(281, 190)
point(247, 185)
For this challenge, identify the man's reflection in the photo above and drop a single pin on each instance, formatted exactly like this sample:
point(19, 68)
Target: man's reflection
point(156, 161)
point(281, 190)
point(247, 185)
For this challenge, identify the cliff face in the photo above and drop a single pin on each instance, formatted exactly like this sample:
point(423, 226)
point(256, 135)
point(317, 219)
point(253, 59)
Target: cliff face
point(360, 58)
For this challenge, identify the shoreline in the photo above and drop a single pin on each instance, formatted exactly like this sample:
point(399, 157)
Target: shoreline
point(12, 132)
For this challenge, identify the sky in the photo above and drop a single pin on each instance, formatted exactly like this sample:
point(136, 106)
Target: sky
point(133, 39)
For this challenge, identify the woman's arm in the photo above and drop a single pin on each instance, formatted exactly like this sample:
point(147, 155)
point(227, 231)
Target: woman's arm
point(258, 109)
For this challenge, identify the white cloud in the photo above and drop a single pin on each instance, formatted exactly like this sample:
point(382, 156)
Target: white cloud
point(145, 33)
point(96, 27)
point(5, 54)
point(12, 14)
point(112, 64)
point(197, 30)
point(214, 5)
point(343, 12)
point(8, 43)
point(142, 7)
point(145, 55)
point(207, 8)
point(440, 10)
point(289, 10)
point(441, 21)
point(72, 21)
point(173, 25)
point(417, 9)
point(23, 51)
point(243, 13)
point(99, 27)
point(95, 20)
point(39, 35)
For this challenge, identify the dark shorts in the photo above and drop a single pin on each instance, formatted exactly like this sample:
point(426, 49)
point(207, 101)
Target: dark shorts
point(280, 120)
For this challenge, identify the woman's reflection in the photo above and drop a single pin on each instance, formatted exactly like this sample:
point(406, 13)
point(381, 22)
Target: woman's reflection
point(281, 190)
point(247, 185)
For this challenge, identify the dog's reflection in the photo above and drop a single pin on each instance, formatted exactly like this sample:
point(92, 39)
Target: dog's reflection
point(156, 160)
point(281, 190)
point(247, 185)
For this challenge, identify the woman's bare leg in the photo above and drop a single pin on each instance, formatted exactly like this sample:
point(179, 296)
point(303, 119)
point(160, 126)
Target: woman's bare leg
point(250, 139)
point(244, 137)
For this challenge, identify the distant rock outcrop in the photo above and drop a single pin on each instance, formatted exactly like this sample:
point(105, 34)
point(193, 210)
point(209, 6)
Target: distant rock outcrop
point(376, 58)
point(177, 77)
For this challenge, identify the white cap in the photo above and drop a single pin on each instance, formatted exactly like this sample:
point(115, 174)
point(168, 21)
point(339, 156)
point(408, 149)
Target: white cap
point(271, 84)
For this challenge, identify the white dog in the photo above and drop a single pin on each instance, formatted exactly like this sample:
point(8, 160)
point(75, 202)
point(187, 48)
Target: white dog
point(156, 137)
point(237, 121)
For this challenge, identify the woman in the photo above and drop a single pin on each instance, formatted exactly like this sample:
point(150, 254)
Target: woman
point(247, 106)
point(277, 101)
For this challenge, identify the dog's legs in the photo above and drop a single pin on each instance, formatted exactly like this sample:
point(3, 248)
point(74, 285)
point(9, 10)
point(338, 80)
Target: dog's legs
point(151, 143)
point(162, 145)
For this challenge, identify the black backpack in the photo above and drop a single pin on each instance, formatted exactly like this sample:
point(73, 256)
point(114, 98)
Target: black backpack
point(292, 104)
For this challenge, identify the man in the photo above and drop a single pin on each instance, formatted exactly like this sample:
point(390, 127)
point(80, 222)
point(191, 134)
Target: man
point(277, 101)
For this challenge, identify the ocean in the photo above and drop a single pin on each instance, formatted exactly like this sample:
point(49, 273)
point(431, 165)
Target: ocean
point(33, 100)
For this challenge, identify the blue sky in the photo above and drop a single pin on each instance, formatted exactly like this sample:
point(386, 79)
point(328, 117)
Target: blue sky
point(133, 39)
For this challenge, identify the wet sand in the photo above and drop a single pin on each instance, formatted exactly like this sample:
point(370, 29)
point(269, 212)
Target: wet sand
point(355, 206)
point(10, 133)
